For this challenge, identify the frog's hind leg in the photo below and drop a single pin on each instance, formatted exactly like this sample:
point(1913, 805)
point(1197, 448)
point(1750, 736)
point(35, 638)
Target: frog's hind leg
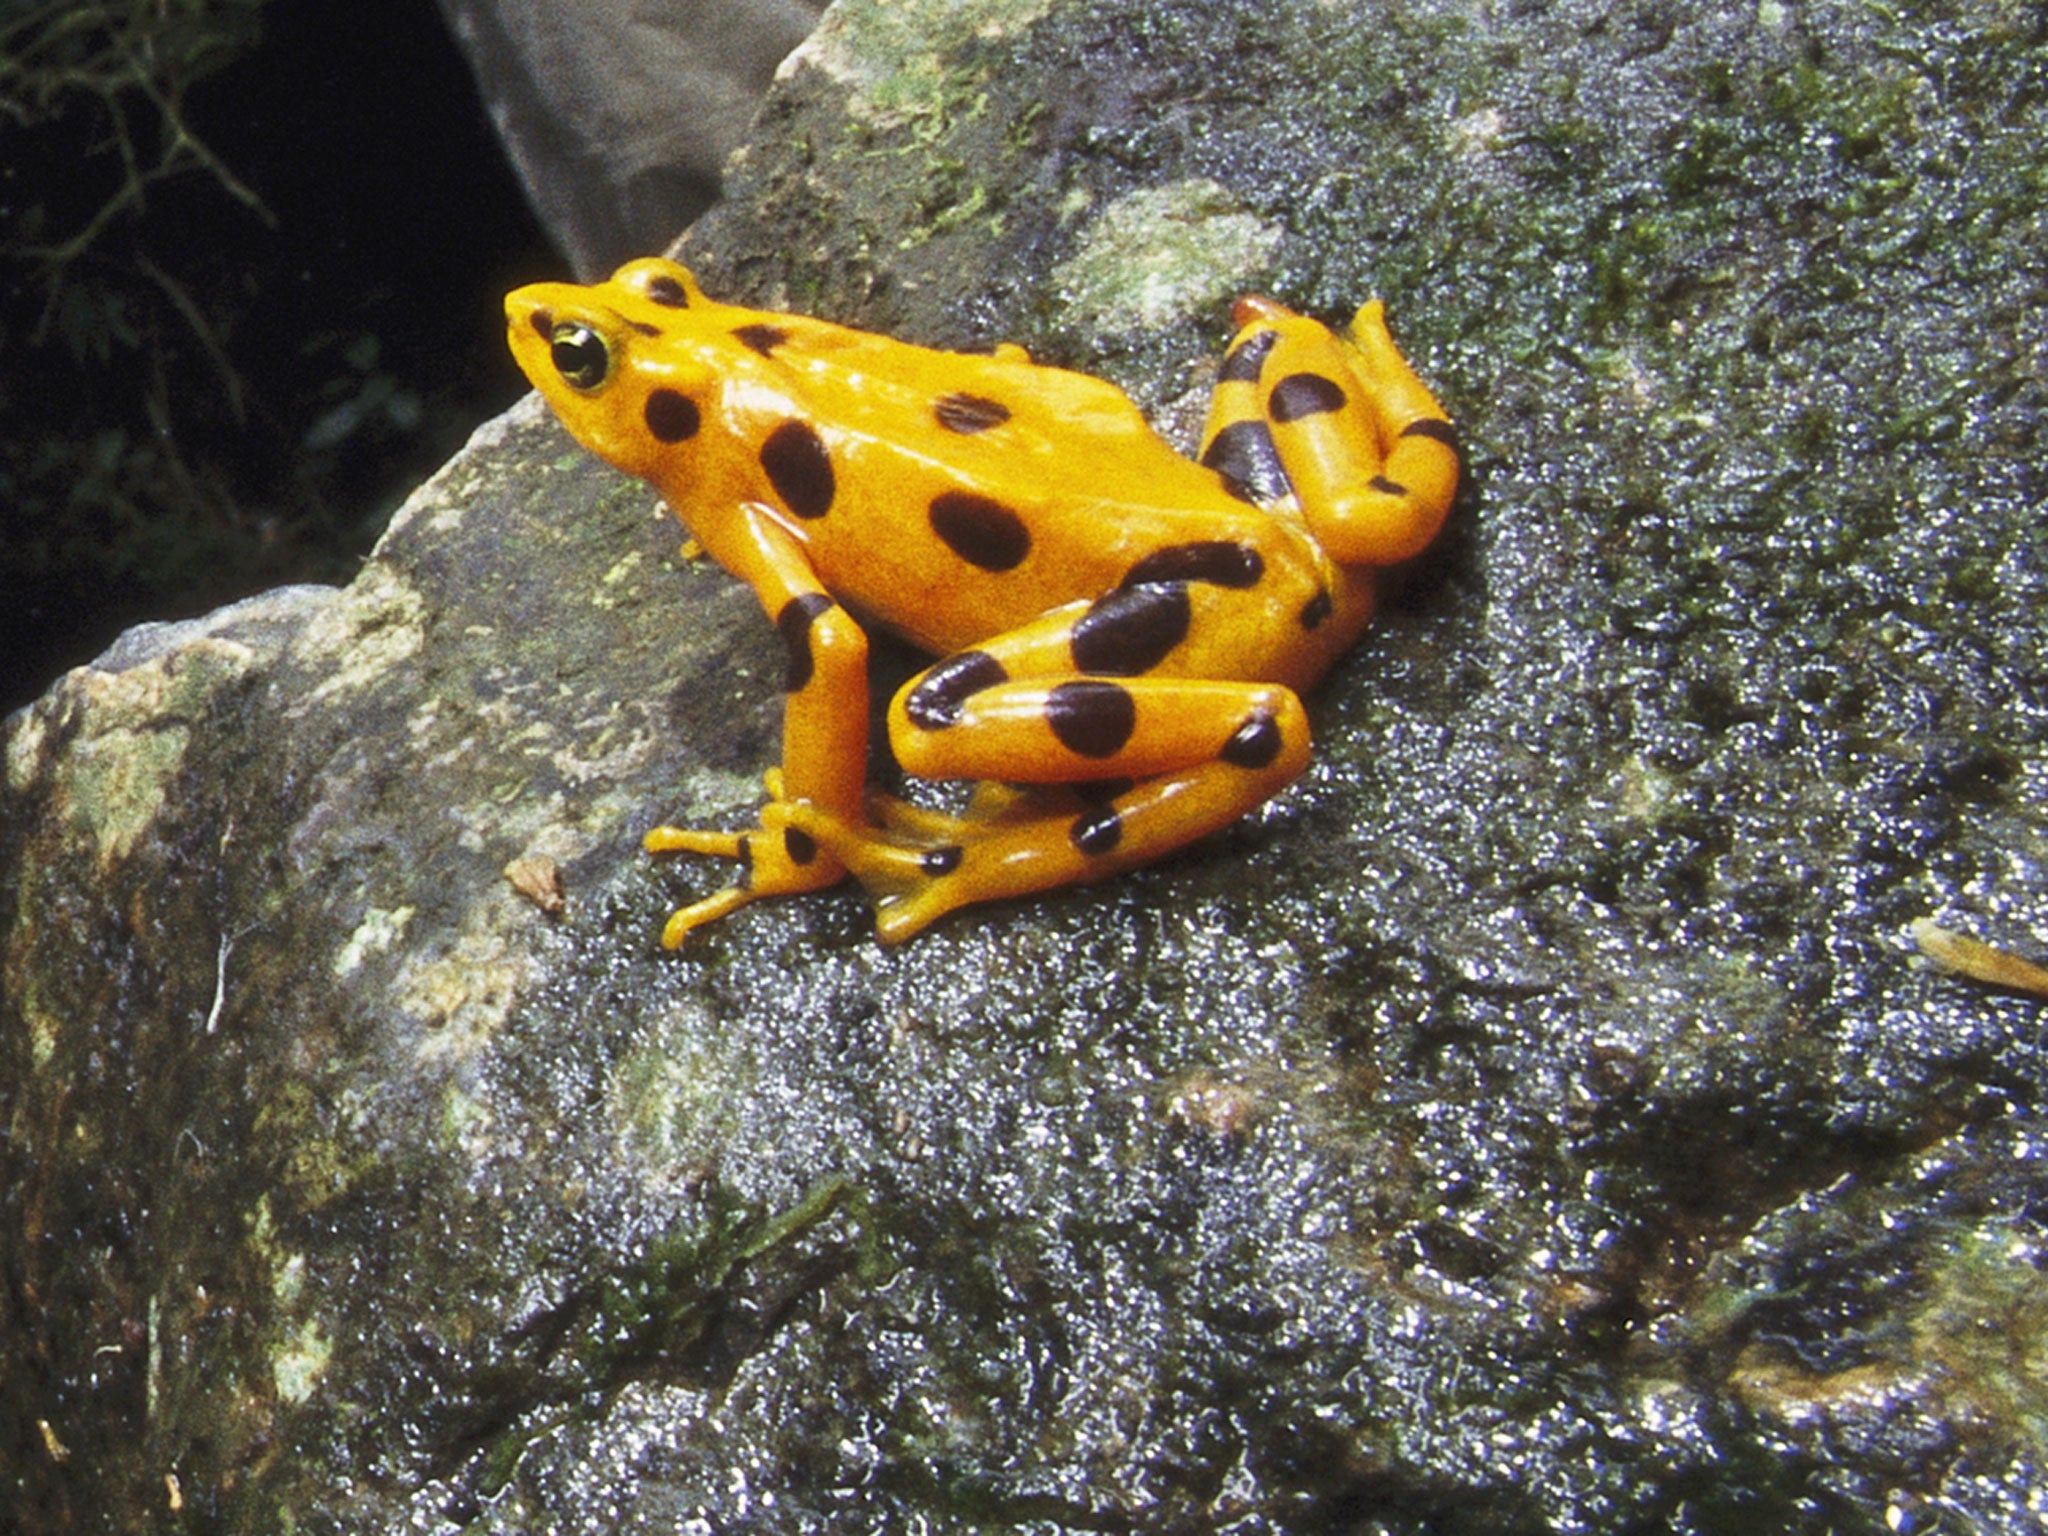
point(916, 878)
point(1232, 746)
point(1338, 424)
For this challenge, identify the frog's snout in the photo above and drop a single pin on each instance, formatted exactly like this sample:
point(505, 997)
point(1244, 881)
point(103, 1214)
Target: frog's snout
point(526, 313)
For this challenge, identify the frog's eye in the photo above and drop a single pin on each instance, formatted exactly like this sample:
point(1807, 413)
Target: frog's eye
point(580, 355)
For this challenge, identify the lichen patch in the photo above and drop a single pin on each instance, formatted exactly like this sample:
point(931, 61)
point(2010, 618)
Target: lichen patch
point(122, 738)
point(378, 624)
point(1156, 255)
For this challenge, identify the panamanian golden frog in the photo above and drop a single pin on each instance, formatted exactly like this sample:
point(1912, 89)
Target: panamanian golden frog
point(1124, 632)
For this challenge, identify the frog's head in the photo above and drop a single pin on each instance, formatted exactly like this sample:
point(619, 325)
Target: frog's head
point(613, 360)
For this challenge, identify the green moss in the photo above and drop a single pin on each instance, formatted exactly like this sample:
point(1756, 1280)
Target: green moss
point(139, 726)
point(298, 1349)
point(380, 929)
point(676, 1099)
point(672, 1310)
point(301, 1361)
point(661, 1304)
point(316, 1167)
point(898, 56)
point(1985, 1324)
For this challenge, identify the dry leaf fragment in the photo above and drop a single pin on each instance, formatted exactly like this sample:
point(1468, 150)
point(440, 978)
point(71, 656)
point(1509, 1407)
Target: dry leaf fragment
point(1977, 960)
point(539, 879)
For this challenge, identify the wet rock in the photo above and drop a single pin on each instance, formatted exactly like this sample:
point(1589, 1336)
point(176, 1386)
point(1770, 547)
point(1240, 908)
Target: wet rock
point(1536, 1120)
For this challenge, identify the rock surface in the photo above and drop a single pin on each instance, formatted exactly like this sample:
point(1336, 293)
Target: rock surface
point(1536, 1121)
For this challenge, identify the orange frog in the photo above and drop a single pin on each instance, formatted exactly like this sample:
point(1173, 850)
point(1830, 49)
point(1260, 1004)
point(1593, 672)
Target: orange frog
point(1124, 631)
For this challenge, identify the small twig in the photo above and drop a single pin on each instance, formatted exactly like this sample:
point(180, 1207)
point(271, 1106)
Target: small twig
point(186, 305)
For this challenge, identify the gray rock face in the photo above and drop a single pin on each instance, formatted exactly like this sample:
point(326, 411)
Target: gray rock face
point(617, 115)
point(1535, 1121)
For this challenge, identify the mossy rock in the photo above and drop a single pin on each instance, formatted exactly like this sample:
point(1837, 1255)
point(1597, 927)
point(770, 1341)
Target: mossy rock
point(1536, 1120)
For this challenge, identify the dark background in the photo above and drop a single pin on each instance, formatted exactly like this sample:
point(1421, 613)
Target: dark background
point(235, 381)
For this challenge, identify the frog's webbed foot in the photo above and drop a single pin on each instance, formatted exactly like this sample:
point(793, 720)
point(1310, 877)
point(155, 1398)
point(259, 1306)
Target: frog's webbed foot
point(776, 859)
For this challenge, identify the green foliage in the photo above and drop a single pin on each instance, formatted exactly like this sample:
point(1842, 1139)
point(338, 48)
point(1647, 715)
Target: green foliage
point(114, 364)
point(129, 64)
point(200, 396)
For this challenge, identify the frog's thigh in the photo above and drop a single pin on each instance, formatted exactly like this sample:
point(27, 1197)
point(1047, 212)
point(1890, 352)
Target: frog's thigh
point(924, 866)
point(1082, 729)
point(1155, 763)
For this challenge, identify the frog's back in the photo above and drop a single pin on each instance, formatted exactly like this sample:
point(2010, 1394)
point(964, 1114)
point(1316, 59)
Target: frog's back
point(949, 400)
point(1039, 487)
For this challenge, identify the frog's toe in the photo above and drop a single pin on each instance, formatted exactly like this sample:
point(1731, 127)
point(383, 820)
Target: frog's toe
point(775, 858)
point(724, 845)
point(686, 920)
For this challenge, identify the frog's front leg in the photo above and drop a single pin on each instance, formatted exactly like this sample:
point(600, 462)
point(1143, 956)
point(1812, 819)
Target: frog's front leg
point(824, 733)
point(1108, 774)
